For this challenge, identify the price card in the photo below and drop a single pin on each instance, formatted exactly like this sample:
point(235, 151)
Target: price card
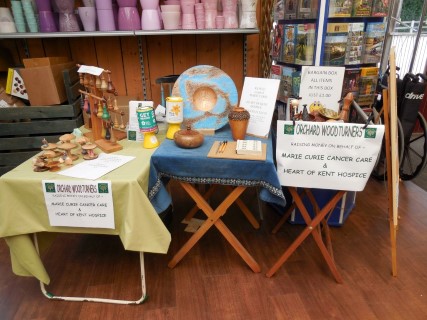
point(321, 85)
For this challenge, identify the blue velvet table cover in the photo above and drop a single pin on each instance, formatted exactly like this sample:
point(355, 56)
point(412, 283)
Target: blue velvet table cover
point(193, 166)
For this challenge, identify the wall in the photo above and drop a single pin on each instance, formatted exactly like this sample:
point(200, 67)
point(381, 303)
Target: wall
point(162, 55)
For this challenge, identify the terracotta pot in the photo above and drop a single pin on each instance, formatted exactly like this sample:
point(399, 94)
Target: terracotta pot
point(238, 119)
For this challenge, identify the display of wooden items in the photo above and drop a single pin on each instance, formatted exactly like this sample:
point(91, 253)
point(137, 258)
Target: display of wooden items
point(100, 103)
point(53, 165)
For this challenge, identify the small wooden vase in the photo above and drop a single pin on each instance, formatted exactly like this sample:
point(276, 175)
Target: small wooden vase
point(238, 119)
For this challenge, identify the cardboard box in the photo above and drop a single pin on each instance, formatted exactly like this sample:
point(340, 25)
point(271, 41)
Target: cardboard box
point(340, 213)
point(45, 84)
point(42, 62)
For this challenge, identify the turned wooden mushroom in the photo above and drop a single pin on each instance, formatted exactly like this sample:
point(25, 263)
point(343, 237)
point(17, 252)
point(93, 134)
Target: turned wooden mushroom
point(68, 146)
point(53, 165)
point(82, 141)
point(49, 146)
point(39, 164)
point(67, 137)
point(89, 147)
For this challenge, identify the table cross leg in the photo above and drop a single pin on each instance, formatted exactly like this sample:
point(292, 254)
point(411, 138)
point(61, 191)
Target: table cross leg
point(285, 217)
point(248, 214)
point(310, 229)
point(195, 208)
point(326, 228)
point(214, 219)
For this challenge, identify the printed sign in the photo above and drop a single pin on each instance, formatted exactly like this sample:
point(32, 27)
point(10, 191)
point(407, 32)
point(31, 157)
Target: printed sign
point(259, 98)
point(321, 86)
point(96, 71)
point(327, 155)
point(79, 203)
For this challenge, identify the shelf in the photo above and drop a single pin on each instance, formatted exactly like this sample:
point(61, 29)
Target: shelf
point(355, 19)
point(297, 21)
point(28, 35)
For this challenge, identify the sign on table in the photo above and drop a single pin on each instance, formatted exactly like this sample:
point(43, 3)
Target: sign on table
point(79, 203)
point(259, 98)
point(321, 86)
point(326, 155)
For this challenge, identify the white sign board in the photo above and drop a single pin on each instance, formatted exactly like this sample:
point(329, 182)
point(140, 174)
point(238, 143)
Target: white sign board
point(321, 85)
point(259, 98)
point(96, 71)
point(86, 204)
point(327, 155)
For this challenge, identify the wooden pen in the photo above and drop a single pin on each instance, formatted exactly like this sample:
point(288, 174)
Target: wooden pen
point(224, 145)
point(219, 146)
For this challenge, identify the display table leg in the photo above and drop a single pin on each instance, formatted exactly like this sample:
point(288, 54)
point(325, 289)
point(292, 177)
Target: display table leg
point(214, 219)
point(311, 228)
point(195, 208)
point(248, 214)
point(92, 299)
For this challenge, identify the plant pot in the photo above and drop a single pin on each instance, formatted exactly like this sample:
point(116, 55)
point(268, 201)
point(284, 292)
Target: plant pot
point(238, 119)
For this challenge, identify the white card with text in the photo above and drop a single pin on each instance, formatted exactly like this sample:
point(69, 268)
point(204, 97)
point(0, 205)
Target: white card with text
point(259, 98)
point(86, 204)
point(321, 85)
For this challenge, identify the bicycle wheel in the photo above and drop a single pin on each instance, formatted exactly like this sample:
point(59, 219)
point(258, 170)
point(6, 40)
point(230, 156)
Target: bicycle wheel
point(380, 168)
point(415, 151)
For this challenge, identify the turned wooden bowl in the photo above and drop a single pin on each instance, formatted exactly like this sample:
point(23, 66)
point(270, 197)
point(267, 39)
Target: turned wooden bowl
point(188, 138)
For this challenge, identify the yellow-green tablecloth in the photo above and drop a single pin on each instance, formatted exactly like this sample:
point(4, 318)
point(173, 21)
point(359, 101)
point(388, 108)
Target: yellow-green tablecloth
point(23, 211)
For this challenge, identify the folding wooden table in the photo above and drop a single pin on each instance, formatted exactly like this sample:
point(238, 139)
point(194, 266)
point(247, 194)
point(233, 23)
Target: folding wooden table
point(193, 166)
point(314, 227)
point(342, 161)
point(214, 219)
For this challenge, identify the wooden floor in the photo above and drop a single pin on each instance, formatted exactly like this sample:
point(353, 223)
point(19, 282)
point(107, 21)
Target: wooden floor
point(212, 282)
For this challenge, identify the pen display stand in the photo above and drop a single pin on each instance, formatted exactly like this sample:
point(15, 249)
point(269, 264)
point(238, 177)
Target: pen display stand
point(101, 105)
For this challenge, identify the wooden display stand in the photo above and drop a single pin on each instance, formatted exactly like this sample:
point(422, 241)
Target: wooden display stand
point(103, 131)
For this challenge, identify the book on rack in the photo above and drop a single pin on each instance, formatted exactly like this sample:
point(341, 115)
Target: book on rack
point(296, 82)
point(380, 8)
point(362, 8)
point(276, 73)
point(354, 50)
point(287, 82)
point(307, 9)
point(289, 43)
point(374, 41)
point(304, 43)
point(367, 85)
point(291, 9)
point(335, 44)
point(248, 147)
point(276, 48)
point(351, 82)
point(340, 8)
point(279, 10)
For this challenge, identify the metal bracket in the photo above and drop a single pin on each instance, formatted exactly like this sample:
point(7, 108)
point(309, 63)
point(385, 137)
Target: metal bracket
point(141, 63)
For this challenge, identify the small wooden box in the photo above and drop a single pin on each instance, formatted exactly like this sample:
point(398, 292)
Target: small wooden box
point(23, 129)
